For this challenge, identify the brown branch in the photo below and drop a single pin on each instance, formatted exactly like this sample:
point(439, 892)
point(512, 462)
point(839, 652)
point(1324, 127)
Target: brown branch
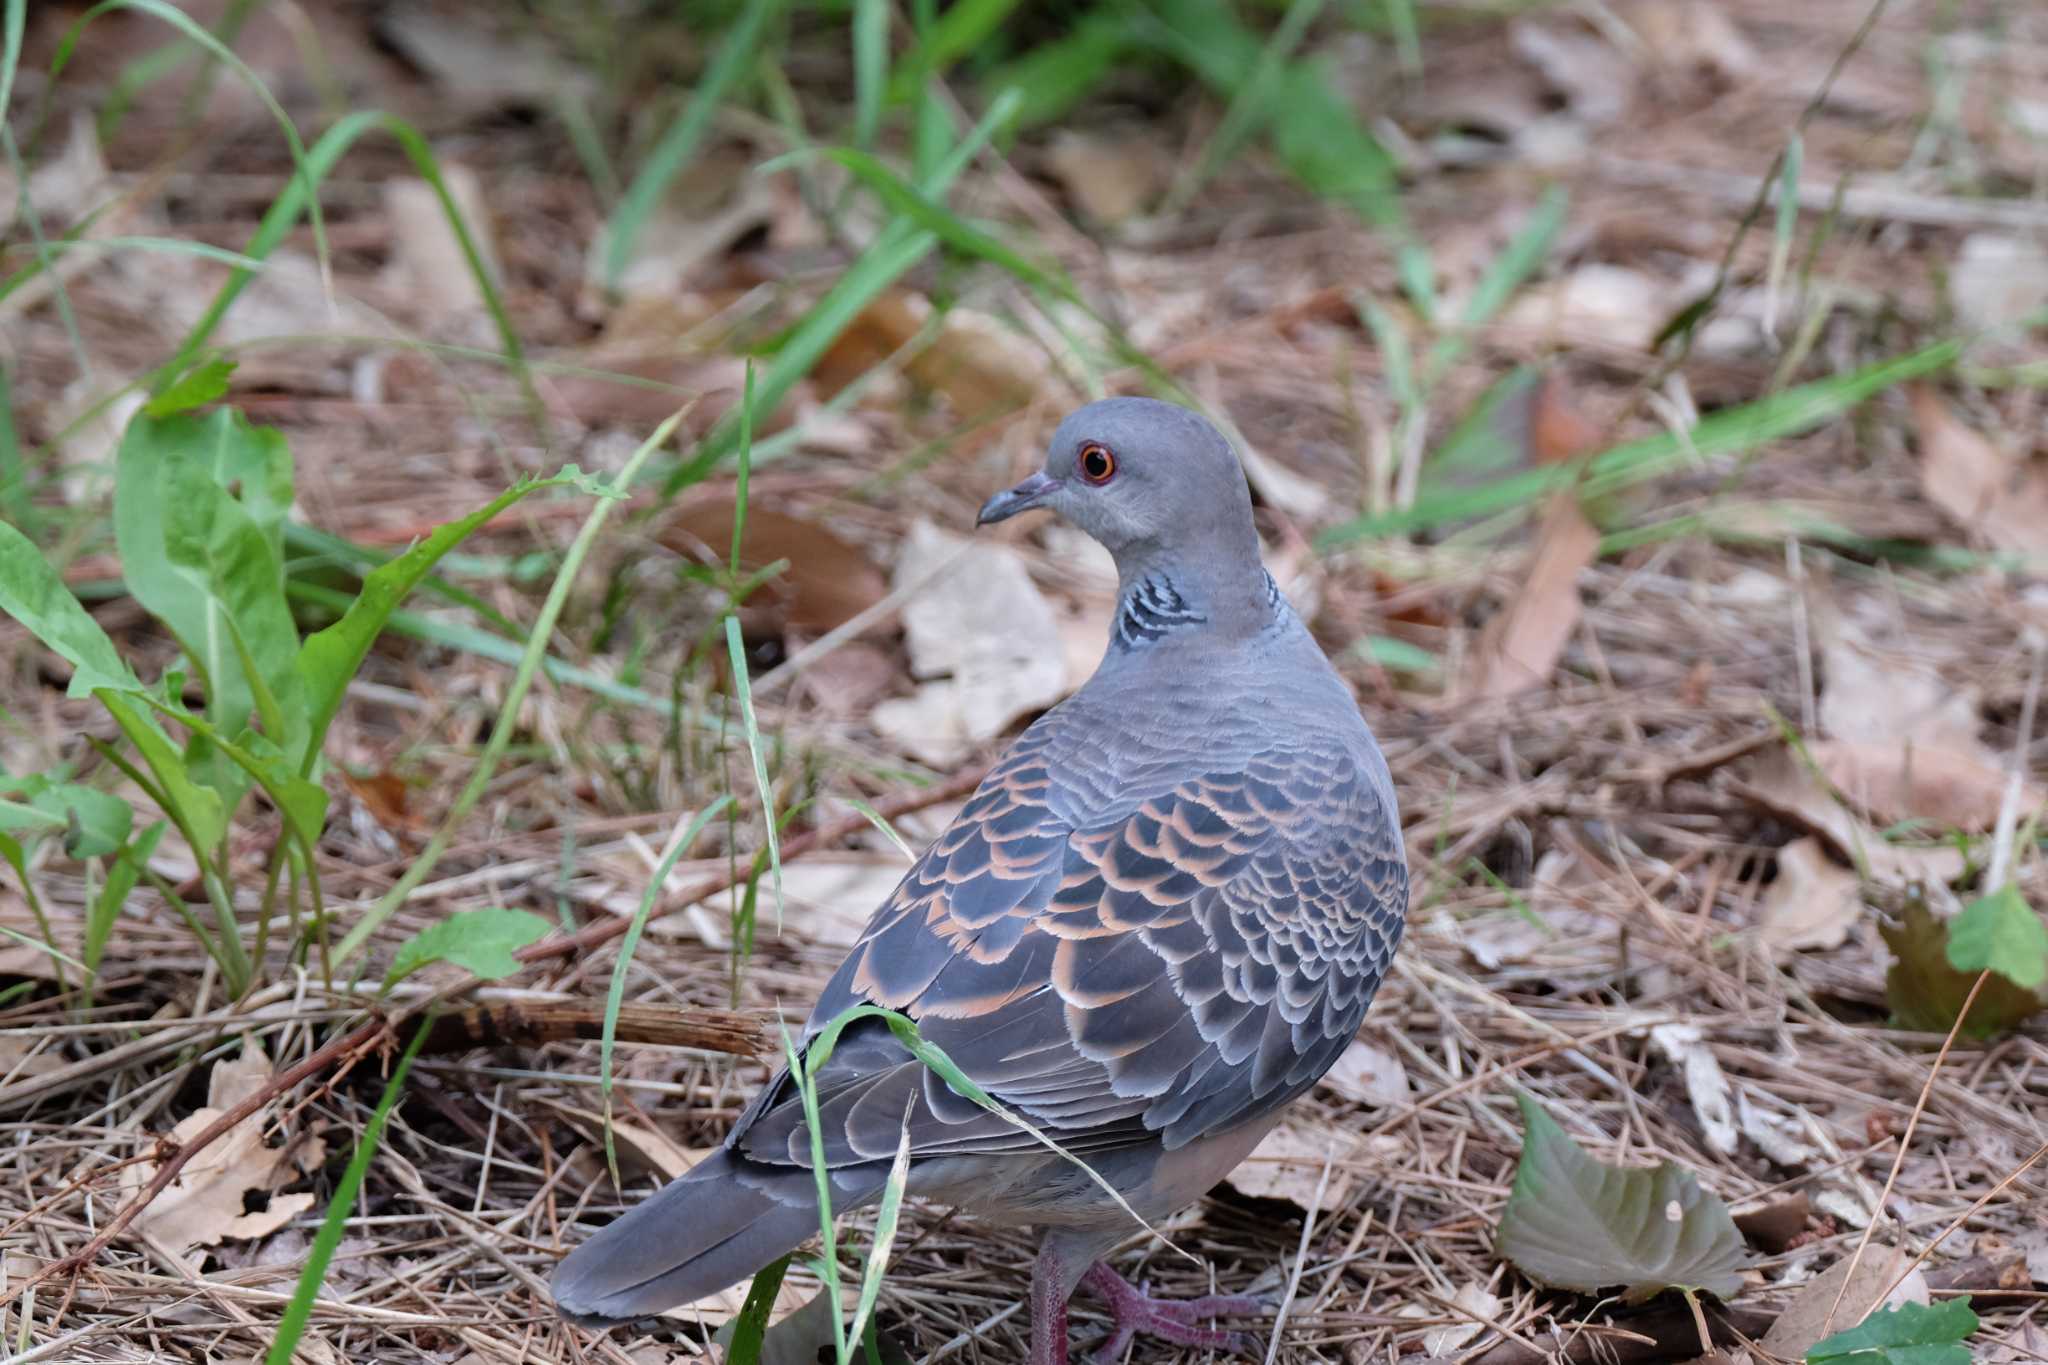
point(358, 1041)
point(527, 1023)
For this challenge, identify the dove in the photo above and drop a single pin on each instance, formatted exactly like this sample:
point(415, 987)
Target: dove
point(1158, 920)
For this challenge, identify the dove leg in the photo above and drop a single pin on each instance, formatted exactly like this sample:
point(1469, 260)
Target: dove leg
point(1050, 1288)
point(1133, 1311)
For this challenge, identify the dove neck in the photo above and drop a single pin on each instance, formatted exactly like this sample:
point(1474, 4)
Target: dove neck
point(1223, 596)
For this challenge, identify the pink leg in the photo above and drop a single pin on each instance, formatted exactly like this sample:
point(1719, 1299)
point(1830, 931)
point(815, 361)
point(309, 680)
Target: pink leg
point(1133, 1311)
point(1049, 1308)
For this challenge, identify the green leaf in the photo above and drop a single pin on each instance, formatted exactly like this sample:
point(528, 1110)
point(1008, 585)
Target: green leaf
point(32, 593)
point(805, 1337)
point(1051, 79)
point(95, 823)
point(205, 383)
point(2000, 933)
point(1910, 1334)
point(1575, 1223)
point(105, 910)
point(480, 941)
point(329, 658)
point(199, 506)
point(742, 1336)
point(1926, 991)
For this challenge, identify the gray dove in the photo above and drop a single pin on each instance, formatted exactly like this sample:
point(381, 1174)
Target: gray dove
point(1158, 920)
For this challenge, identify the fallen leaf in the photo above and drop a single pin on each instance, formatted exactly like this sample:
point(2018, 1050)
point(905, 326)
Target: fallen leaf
point(1606, 305)
point(1997, 280)
point(1288, 1164)
point(472, 63)
point(1926, 992)
point(1773, 1227)
point(1775, 1136)
point(828, 582)
point(1108, 177)
point(1894, 783)
point(638, 1146)
point(205, 1204)
point(984, 637)
point(1575, 1223)
point(428, 268)
point(1371, 1075)
point(807, 1336)
point(1518, 649)
point(1593, 78)
point(1693, 36)
point(1473, 1299)
point(982, 366)
point(715, 202)
point(1706, 1085)
point(1806, 1318)
point(829, 901)
point(1812, 903)
point(1962, 472)
point(1781, 785)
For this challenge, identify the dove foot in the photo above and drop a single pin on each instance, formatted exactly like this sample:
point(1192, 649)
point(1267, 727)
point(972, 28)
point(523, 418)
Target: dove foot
point(1132, 1311)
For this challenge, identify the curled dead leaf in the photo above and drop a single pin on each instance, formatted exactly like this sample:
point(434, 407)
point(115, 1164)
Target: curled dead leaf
point(829, 580)
point(1812, 903)
point(1518, 649)
point(2005, 500)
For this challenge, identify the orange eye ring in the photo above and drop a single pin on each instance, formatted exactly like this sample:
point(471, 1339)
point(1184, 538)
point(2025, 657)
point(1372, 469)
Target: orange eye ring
point(1096, 462)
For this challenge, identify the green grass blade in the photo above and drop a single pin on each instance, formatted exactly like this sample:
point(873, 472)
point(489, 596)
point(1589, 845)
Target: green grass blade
point(1249, 102)
point(299, 1312)
point(870, 69)
point(885, 1234)
point(105, 910)
point(899, 246)
point(515, 697)
point(13, 22)
point(681, 841)
point(736, 652)
point(1733, 430)
point(679, 144)
point(1051, 79)
point(15, 506)
point(805, 1069)
point(330, 657)
point(752, 1323)
point(1504, 275)
point(964, 26)
point(1407, 35)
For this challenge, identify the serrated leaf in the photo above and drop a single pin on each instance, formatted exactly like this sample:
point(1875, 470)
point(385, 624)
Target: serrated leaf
point(1576, 1223)
point(1910, 1334)
point(2001, 933)
point(1926, 992)
point(481, 941)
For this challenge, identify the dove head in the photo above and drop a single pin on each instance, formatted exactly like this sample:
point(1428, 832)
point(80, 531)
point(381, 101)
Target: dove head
point(1159, 488)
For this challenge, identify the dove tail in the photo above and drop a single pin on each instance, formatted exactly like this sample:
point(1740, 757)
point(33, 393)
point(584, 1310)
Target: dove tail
point(701, 1233)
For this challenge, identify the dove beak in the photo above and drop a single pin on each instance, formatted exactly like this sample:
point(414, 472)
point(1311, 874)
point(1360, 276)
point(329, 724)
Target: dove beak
point(1029, 494)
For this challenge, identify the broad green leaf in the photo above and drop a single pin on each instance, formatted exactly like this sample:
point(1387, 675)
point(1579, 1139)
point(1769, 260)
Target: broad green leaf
point(1575, 1223)
point(204, 383)
point(32, 593)
point(1910, 1334)
point(329, 658)
point(95, 823)
point(1926, 991)
point(196, 809)
point(480, 941)
point(198, 512)
point(2000, 933)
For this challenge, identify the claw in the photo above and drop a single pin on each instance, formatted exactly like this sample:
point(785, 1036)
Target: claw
point(1133, 1311)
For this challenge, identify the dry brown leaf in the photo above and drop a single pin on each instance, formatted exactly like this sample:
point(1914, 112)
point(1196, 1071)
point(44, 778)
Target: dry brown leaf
point(981, 366)
point(1805, 1319)
point(1997, 280)
point(1289, 1164)
point(204, 1205)
point(428, 268)
point(1893, 783)
point(639, 1147)
point(1471, 1300)
point(982, 635)
point(1693, 36)
point(1966, 475)
point(1813, 903)
point(1519, 648)
point(1109, 178)
point(828, 900)
point(1781, 785)
point(1706, 1085)
point(1607, 305)
point(828, 582)
point(1371, 1075)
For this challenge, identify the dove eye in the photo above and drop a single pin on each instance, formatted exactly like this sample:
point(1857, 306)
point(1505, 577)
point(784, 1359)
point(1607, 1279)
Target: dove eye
point(1096, 462)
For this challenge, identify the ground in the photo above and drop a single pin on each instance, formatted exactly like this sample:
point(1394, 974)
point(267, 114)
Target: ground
point(1699, 745)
